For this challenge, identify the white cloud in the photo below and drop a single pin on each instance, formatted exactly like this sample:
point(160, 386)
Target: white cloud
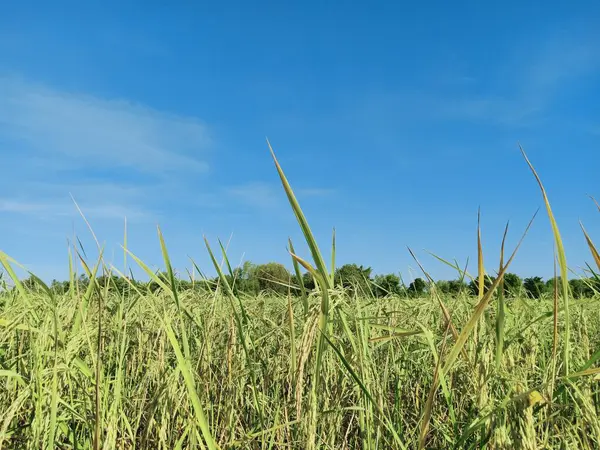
point(115, 157)
point(84, 131)
point(52, 209)
point(527, 81)
point(559, 60)
point(257, 194)
point(264, 195)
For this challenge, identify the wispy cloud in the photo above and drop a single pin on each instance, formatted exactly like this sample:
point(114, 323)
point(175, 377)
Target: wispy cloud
point(52, 209)
point(527, 82)
point(117, 158)
point(265, 195)
point(83, 130)
point(257, 194)
point(561, 60)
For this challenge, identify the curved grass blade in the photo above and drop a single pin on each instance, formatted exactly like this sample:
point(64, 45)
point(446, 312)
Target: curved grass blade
point(431, 396)
point(364, 390)
point(333, 258)
point(480, 268)
point(301, 218)
point(303, 292)
point(592, 247)
point(562, 261)
point(443, 307)
point(468, 328)
point(183, 365)
point(501, 315)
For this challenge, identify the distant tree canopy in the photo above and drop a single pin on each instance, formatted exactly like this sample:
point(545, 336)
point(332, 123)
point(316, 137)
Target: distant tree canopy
point(387, 285)
point(274, 278)
point(487, 284)
point(417, 287)
point(451, 287)
point(356, 279)
point(534, 287)
point(513, 284)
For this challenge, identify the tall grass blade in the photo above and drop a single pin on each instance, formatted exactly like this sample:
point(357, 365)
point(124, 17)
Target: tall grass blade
point(325, 282)
point(431, 396)
point(501, 314)
point(443, 307)
point(241, 322)
point(596, 202)
point(562, 260)
point(333, 258)
point(592, 247)
point(173, 290)
point(191, 389)
point(226, 259)
point(470, 325)
point(303, 293)
point(310, 239)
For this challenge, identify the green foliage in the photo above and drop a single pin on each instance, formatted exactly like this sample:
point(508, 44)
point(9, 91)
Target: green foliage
point(417, 288)
point(385, 285)
point(309, 281)
point(355, 278)
point(534, 287)
point(512, 284)
point(155, 374)
point(272, 277)
point(451, 287)
point(583, 287)
point(474, 285)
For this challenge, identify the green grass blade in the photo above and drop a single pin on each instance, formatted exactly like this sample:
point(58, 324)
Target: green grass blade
point(191, 389)
point(501, 313)
point(443, 306)
point(480, 268)
point(431, 396)
point(333, 258)
point(470, 325)
point(562, 261)
point(173, 290)
point(225, 258)
point(301, 218)
point(303, 292)
point(591, 246)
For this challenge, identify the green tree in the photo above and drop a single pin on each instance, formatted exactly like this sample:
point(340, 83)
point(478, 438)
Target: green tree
point(474, 285)
point(417, 288)
point(443, 286)
point(246, 279)
point(272, 277)
point(581, 288)
point(58, 287)
point(512, 284)
point(357, 279)
point(30, 283)
point(387, 285)
point(309, 281)
point(456, 287)
point(534, 287)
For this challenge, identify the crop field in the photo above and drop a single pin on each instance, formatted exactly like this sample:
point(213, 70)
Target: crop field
point(117, 365)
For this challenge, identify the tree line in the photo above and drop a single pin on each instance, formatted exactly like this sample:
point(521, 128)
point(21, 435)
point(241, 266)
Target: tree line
point(252, 279)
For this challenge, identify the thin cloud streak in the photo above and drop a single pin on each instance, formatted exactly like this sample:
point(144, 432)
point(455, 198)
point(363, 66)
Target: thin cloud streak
point(85, 131)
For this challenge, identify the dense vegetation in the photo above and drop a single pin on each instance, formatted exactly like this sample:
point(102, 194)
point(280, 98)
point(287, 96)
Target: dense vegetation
point(261, 358)
point(274, 278)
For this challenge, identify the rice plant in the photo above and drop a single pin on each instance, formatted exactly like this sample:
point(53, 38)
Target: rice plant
point(117, 365)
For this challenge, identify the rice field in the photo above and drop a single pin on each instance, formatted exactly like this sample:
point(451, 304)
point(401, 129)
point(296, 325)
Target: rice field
point(329, 369)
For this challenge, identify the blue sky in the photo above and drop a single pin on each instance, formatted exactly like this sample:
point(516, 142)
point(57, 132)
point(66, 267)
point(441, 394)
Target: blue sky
point(394, 122)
